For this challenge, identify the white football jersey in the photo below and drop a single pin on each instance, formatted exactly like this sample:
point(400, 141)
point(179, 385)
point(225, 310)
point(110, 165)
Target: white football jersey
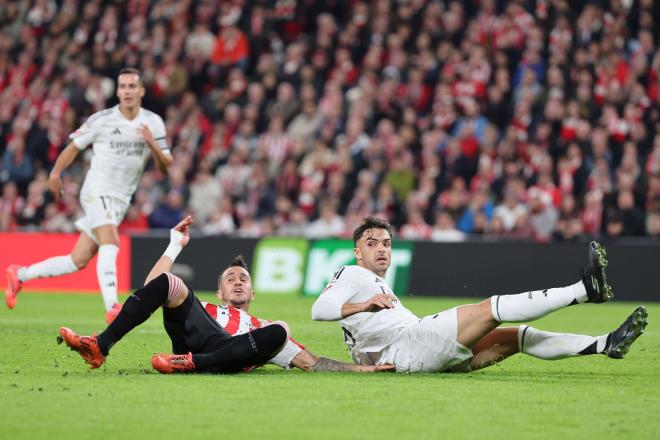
point(237, 322)
point(120, 153)
point(366, 332)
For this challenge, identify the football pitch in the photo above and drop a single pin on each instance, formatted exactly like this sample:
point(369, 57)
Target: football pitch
point(46, 391)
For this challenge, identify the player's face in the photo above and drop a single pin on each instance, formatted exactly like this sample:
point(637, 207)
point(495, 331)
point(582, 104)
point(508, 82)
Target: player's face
point(236, 288)
point(374, 250)
point(129, 90)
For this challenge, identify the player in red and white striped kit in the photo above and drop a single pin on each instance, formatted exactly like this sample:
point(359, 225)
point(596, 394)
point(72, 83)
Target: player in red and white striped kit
point(236, 321)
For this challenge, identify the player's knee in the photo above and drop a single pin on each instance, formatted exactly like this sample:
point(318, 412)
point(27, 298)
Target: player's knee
point(489, 307)
point(285, 326)
point(81, 260)
point(177, 290)
point(273, 336)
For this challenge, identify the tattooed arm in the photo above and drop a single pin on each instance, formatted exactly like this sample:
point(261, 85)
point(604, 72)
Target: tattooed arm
point(306, 360)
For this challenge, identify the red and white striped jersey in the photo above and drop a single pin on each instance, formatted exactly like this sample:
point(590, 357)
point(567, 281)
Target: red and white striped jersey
point(237, 322)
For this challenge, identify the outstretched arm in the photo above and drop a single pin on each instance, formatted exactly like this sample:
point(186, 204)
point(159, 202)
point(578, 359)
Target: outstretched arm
point(179, 238)
point(308, 361)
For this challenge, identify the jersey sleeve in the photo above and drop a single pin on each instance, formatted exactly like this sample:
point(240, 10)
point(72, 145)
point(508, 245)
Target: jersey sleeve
point(85, 135)
point(160, 135)
point(339, 291)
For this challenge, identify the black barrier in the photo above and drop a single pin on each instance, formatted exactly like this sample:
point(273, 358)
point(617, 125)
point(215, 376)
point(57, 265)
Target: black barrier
point(199, 264)
point(472, 269)
point(480, 270)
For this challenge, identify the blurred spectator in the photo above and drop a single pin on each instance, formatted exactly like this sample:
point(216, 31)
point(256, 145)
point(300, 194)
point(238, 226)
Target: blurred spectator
point(444, 228)
point(221, 221)
point(328, 224)
point(416, 227)
point(543, 214)
point(16, 165)
point(480, 203)
point(134, 221)
point(169, 212)
point(424, 103)
point(297, 224)
point(10, 204)
point(510, 211)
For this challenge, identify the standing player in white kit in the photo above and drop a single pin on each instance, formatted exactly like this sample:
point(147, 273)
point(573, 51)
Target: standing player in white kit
point(123, 138)
point(378, 329)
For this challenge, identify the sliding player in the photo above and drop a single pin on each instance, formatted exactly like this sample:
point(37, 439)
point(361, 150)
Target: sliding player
point(379, 330)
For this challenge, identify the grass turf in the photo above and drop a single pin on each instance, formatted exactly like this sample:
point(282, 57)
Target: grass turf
point(47, 391)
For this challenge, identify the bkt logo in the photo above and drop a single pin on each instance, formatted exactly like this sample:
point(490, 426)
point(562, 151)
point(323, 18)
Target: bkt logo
point(296, 265)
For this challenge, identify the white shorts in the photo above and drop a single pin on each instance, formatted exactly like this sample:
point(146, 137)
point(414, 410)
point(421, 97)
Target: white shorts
point(285, 356)
point(429, 345)
point(99, 211)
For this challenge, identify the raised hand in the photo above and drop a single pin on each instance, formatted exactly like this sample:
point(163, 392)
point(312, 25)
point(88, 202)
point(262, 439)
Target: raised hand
point(180, 233)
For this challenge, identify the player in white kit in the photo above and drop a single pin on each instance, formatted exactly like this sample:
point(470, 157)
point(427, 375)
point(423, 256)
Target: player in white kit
point(378, 329)
point(123, 139)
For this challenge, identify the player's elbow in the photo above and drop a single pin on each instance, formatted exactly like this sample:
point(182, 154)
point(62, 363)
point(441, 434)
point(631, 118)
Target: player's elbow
point(316, 313)
point(321, 312)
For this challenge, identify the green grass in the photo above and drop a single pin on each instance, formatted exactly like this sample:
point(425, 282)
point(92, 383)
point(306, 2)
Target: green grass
point(46, 391)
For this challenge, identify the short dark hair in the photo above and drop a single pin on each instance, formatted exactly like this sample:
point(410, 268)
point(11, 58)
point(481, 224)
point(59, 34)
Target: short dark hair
point(370, 223)
point(131, 71)
point(238, 261)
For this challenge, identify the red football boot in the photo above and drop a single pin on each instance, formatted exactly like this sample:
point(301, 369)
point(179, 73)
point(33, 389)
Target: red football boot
point(173, 363)
point(111, 314)
point(87, 346)
point(14, 285)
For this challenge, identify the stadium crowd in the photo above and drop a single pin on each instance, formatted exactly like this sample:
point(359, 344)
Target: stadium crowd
point(529, 119)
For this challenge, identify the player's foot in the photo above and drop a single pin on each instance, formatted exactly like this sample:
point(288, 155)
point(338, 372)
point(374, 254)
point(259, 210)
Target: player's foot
point(594, 279)
point(173, 363)
point(111, 314)
point(14, 285)
point(620, 340)
point(87, 346)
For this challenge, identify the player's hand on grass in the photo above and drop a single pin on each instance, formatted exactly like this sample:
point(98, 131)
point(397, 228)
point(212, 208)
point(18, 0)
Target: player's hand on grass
point(55, 185)
point(375, 368)
point(180, 233)
point(378, 302)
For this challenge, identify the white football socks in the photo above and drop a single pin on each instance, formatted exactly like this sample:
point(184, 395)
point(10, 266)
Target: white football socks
point(106, 271)
point(50, 267)
point(550, 346)
point(528, 306)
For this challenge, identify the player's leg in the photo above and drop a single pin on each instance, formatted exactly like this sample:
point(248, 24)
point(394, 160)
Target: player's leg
point(83, 251)
point(496, 346)
point(504, 342)
point(230, 355)
point(477, 320)
point(106, 266)
point(165, 289)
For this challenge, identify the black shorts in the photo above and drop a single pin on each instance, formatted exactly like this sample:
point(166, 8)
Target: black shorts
point(191, 329)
